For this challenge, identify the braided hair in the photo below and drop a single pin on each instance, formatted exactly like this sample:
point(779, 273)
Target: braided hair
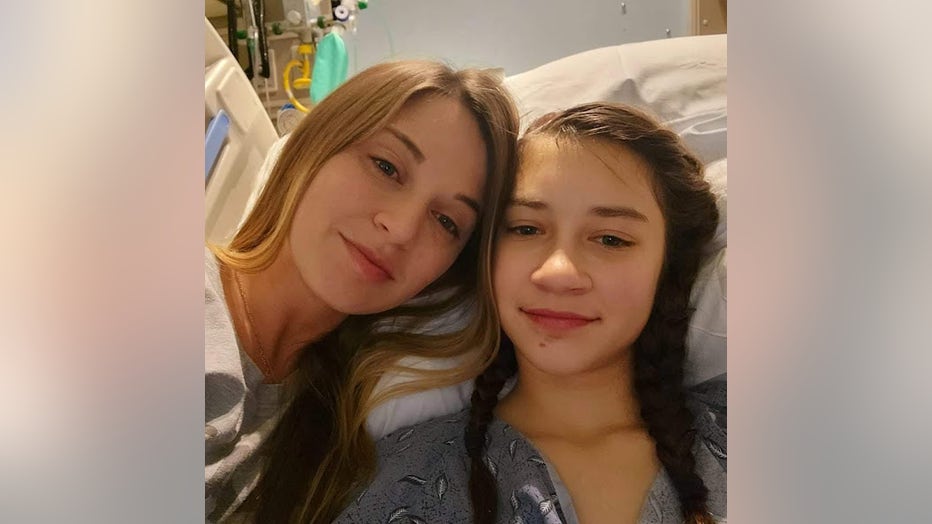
point(690, 216)
point(482, 488)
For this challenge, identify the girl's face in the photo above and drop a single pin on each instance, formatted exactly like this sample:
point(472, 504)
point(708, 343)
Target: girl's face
point(578, 257)
point(388, 215)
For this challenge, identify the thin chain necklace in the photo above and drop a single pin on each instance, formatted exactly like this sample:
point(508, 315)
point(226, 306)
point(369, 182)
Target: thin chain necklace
point(266, 365)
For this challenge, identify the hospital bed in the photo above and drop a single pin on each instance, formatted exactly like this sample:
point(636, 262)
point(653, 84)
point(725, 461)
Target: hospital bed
point(680, 80)
point(239, 137)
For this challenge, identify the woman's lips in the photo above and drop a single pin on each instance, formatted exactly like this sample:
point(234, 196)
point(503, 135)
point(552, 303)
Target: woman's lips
point(557, 320)
point(366, 263)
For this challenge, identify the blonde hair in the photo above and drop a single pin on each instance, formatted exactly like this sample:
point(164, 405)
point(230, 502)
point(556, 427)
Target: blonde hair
point(320, 451)
point(360, 108)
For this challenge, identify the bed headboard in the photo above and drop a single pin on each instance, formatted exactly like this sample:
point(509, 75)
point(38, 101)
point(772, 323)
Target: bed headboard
point(231, 178)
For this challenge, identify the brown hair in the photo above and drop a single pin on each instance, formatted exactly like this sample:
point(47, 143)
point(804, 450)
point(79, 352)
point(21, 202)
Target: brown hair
point(690, 215)
point(320, 452)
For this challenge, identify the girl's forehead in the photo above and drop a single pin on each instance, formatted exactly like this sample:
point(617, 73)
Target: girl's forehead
point(581, 163)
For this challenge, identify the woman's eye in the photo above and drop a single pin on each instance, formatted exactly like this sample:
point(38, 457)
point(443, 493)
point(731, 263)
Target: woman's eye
point(613, 241)
point(523, 230)
point(386, 167)
point(448, 224)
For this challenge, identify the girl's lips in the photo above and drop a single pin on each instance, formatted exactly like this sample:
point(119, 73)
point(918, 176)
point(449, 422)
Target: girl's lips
point(557, 320)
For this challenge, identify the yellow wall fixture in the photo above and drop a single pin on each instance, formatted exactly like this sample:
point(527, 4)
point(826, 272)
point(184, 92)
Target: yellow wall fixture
point(304, 81)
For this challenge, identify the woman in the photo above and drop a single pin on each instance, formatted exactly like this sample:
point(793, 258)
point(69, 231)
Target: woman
point(389, 189)
point(592, 275)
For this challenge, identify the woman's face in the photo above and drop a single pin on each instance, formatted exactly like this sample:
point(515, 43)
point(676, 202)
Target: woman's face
point(578, 257)
point(388, 215)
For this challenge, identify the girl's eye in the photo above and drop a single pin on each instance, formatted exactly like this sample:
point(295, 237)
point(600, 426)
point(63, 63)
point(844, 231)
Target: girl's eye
point(386, 167)
point(613, 241)
point(448, 224)
point(523, 231)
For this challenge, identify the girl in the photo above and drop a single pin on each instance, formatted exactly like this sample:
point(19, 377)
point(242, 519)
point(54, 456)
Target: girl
point(389, 189)
point(592, 275)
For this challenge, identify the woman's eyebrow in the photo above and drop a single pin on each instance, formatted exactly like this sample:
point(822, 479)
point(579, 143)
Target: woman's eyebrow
point(471, 202)
point(419, 157)
point(406, 140)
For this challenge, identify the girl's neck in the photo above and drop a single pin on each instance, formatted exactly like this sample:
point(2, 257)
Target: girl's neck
point(280, 315)
point(577, 407)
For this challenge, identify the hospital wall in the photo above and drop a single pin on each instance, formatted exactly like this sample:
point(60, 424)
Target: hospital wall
point(513, 35)
point(516, 35)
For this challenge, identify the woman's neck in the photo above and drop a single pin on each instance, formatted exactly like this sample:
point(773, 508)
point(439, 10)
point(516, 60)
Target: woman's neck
point(277, 314)
point(577, 407)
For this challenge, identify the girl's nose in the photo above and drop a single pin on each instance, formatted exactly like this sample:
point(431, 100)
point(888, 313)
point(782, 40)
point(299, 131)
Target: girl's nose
point(559, 274)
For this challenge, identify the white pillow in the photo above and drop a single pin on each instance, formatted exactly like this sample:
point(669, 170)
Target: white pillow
point(679, 80)
point(271, 157)
point(417, 407)
point(707, 339)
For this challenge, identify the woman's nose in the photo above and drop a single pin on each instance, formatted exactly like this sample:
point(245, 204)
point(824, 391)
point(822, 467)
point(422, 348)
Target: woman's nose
point(401, 222)
point(559, 274)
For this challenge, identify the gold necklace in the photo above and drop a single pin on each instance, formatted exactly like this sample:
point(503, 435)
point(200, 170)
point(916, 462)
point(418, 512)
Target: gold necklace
point(267, 366)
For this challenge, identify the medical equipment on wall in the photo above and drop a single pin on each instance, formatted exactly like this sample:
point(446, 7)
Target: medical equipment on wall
point(330, 66)
point(302, 82)
point(287, 119)
point(257, 47)
point(280, 46)
point(319, 26)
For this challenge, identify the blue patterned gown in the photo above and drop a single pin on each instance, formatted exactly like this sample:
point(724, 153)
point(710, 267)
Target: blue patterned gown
point(423, 473)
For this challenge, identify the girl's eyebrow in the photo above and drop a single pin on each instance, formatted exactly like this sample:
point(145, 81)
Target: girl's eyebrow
point(622, 212)
point(523, 202)
point(599, 211)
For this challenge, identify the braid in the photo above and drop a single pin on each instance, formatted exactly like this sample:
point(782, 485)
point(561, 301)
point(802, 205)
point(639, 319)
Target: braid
point(660, 350)
point(659, 359)
point(483, 490)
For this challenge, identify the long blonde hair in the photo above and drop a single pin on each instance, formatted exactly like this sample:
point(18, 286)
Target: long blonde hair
point(320, 451)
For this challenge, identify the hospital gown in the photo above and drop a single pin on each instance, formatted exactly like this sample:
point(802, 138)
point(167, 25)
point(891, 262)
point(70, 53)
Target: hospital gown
point(423, 473)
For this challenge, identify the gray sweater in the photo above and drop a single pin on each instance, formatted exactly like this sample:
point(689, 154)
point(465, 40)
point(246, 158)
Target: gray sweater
point(240, 409)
